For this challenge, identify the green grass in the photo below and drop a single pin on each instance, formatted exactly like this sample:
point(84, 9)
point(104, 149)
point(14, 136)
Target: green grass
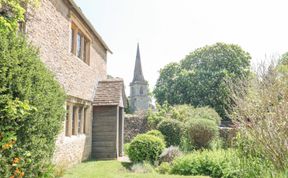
point(111, 169)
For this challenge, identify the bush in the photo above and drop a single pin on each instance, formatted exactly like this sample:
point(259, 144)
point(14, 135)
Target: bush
point(253, 163)
point(227, 134)
point(262, 116)
point(126, 148)
point(25, 83)
point(164, 168)
point(172, 131)
point(155, 117)
point(185, 113)
point(220, 163)
point(156, 133)
point(170, 153)
point(202, 132)
point(145, 148)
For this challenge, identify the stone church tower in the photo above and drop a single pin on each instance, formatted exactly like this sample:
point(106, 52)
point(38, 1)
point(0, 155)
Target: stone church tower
point(139, 99)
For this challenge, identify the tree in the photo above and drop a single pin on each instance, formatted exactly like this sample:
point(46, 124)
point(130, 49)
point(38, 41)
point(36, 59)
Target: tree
point(200, 79)
point(262, 118)
point(12, 12)
point(31, 101)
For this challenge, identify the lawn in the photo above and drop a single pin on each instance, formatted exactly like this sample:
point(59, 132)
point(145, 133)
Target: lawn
point(111, 169)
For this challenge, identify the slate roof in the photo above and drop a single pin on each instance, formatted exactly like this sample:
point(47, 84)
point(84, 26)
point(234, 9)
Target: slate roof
point(109, 93)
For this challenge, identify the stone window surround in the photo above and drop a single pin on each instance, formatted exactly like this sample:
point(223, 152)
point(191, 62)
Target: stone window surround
point(75, 31)
point(75, 107)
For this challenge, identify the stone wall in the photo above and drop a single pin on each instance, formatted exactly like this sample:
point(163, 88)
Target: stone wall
point(48, 28)
point(133, 125)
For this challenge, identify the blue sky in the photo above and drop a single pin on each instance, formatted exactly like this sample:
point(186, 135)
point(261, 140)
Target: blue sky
point(168, 30)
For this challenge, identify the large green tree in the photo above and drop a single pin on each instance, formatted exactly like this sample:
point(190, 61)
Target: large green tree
point(202, 77)
point(31, 101)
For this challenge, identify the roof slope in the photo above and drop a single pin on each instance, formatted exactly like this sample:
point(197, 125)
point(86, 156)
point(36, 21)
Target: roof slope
point(110, 92)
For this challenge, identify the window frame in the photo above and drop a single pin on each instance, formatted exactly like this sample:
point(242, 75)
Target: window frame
point(83, 45)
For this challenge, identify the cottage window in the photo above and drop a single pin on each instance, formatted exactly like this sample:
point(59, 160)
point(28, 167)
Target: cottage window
point(80, 45)
point(79, 121)
point(72, 40)
point(74, 115)
point(76, 119)
point(67, 121)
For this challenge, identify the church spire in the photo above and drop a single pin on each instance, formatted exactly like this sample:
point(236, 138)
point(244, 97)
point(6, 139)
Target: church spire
point(138, 74)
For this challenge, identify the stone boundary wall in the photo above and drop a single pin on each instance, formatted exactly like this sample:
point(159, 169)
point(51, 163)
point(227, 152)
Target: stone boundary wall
point(133, 125)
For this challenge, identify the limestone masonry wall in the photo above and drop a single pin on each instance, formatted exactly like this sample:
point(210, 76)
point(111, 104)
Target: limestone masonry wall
point(133, 125)
point(48, 27)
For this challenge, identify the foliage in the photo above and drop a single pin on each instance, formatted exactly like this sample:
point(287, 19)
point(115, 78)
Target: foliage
point(169, 154)
point(201, 78)
point(202, 132)
point(163, 168)
point(218, 163)
point(155, 117)
point(284, 59)
point(31, 107)
point(172, 131)
point(126, 148)
point(185, 113)
point(12, 12)
point(262, 116)
point(227, 135)
point(14, 161)
point(156, 133)
point(252, 162)
point(145, 148)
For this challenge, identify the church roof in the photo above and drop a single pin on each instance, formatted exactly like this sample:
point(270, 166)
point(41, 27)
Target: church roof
point(110, 92)
point(138, 74)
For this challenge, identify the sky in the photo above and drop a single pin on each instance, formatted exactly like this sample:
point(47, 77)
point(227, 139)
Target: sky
point(168, 30)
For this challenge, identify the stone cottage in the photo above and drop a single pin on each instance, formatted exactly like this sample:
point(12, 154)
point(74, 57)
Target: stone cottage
point(73, 50)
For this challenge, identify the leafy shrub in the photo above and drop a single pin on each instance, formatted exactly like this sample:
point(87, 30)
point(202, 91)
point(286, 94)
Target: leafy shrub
point(163, 168)
point(219, 163)
point(169, 154)
point(253, 162)
point(262, 117)
point(23, 77)
point(126, 148)
point(202, 132)
point(155, 117)
point(145, 148)
point(156, 133)
point(227, 134)
point(172, 130)
point(185, 113)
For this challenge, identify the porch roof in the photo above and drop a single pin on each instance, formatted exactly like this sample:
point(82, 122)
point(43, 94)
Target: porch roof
point(110, 92)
